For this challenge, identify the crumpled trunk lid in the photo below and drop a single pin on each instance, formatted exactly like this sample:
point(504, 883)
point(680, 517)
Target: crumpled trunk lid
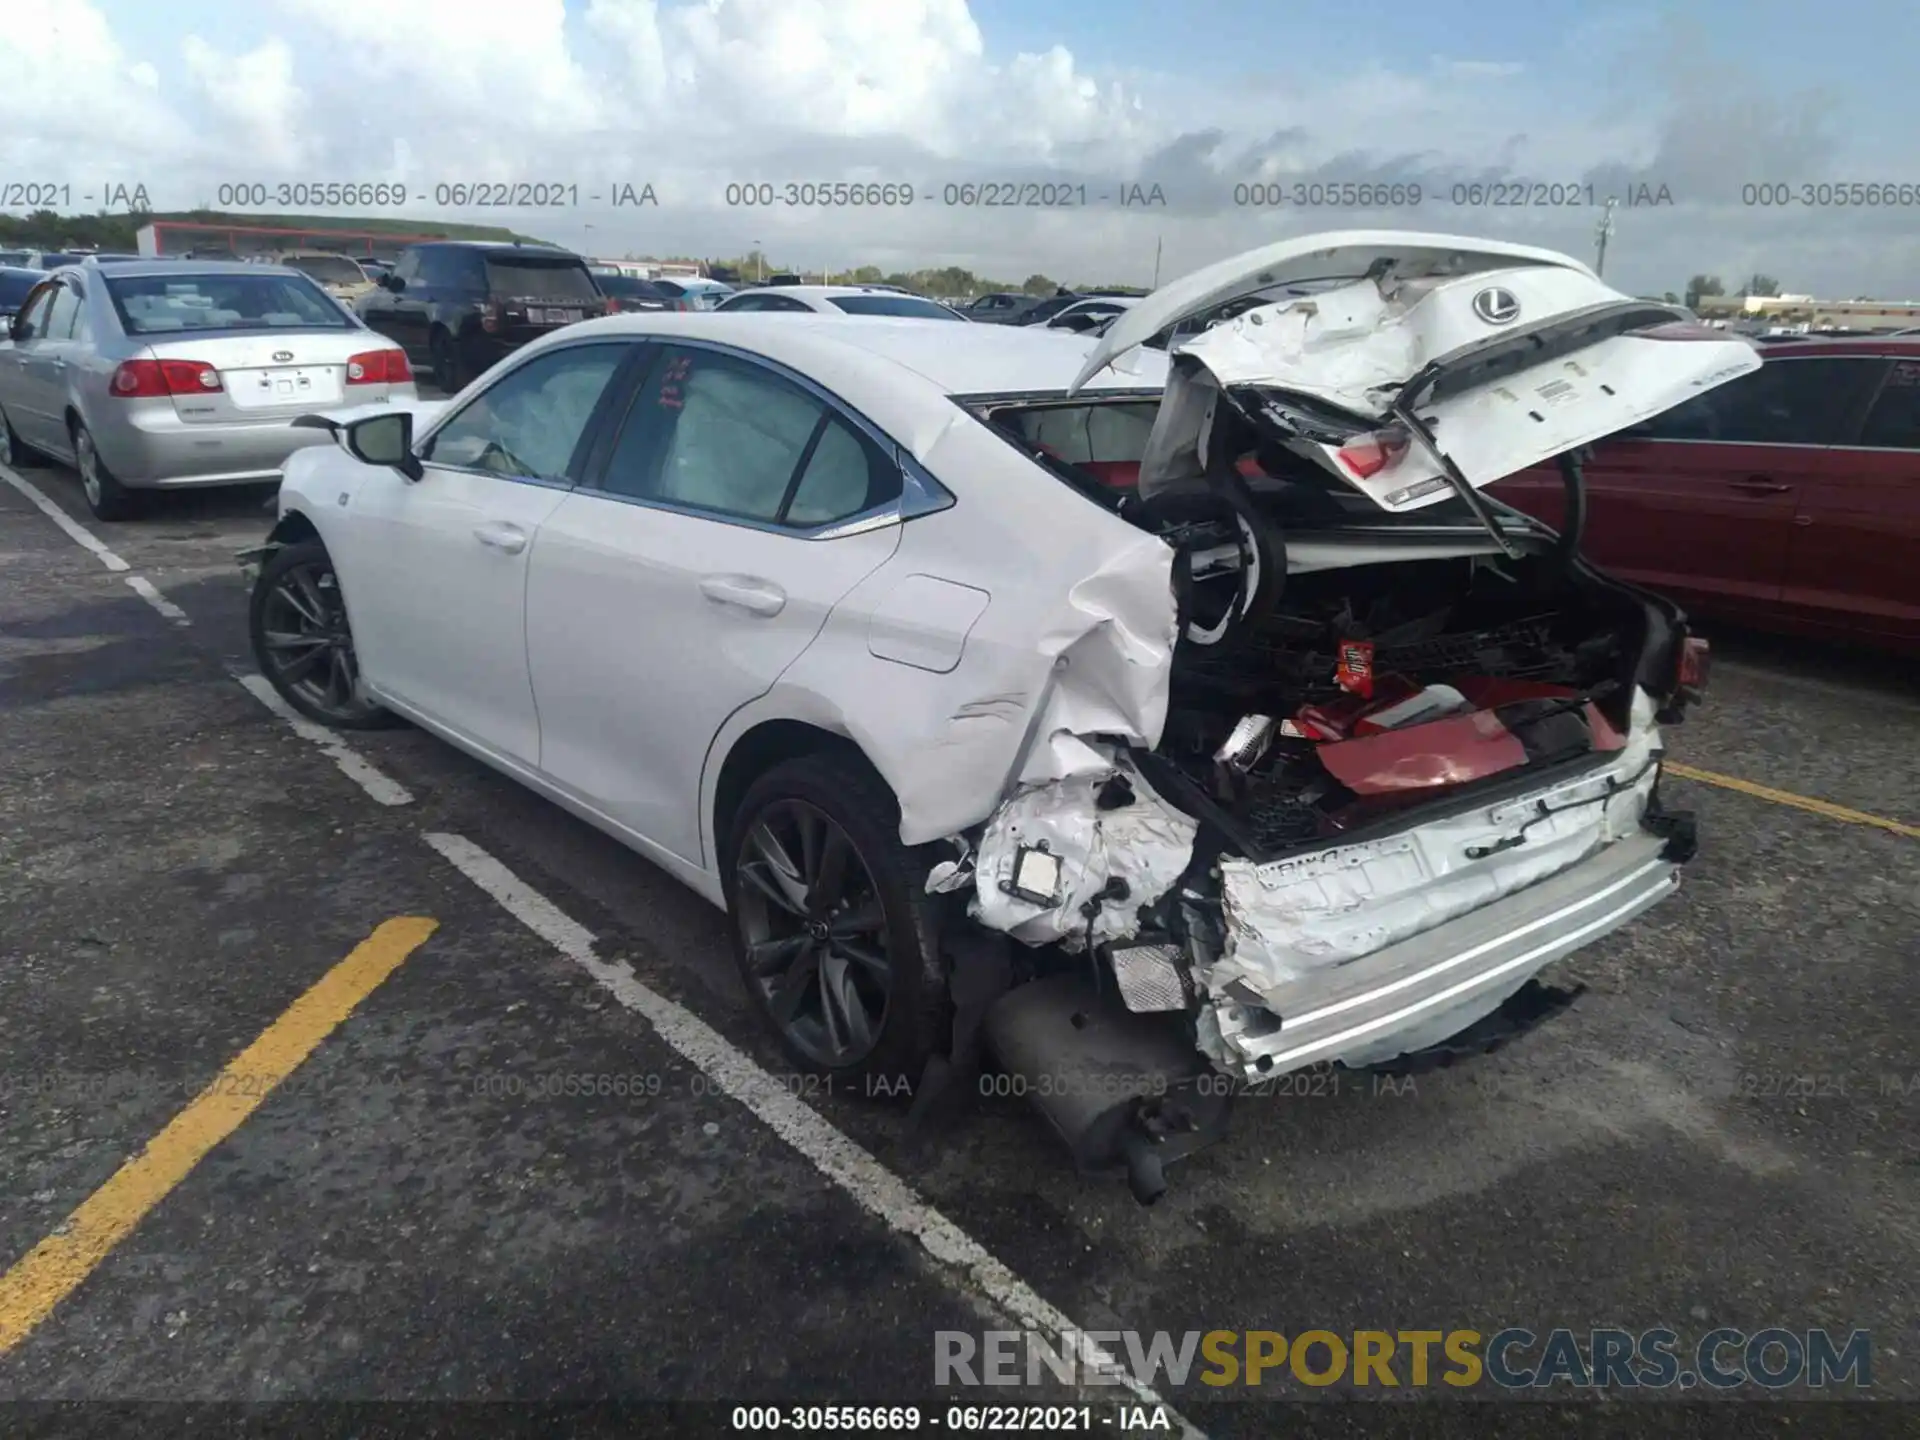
point(1439, 363)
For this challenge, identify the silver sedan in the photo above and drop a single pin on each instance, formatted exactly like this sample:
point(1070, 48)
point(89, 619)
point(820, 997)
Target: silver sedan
point(157, 375)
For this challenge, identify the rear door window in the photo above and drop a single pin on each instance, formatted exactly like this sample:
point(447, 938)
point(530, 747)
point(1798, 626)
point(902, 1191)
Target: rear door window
point(66, 305)
point(718, 433)
point(1789, 401)
point(1894, 421)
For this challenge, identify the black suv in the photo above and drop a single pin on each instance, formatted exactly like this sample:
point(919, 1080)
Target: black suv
point(457, 306)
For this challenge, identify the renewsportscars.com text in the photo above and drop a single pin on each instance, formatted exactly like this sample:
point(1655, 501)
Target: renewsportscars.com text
point(1513, 1358)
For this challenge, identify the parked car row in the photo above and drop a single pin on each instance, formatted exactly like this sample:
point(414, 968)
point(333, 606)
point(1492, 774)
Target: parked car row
point(1789, 499)
point(156, 374)
point(1079, 310)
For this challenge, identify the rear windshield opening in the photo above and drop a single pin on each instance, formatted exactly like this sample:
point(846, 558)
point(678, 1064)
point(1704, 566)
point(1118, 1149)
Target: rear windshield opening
point(518, 278)
point(1096, 447)
point(157, 304)
point(905, 305)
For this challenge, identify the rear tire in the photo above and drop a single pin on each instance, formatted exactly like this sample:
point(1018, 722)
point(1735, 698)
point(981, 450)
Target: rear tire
point(839, 956)
point(297, 619)
point(107, 498)
point(14, 453)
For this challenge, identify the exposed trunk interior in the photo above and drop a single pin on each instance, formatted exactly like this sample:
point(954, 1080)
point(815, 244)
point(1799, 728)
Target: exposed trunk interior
point(1397, 663)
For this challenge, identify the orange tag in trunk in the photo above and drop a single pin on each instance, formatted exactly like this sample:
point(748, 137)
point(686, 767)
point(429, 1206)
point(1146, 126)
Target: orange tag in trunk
point(1354, 673)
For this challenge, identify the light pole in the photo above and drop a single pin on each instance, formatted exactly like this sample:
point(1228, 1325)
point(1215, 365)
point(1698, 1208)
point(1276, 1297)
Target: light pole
point(1603, 232)
point(759, 249)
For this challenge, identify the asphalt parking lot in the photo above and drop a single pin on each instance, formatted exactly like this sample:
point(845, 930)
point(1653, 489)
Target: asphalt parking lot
point(1724, 1131)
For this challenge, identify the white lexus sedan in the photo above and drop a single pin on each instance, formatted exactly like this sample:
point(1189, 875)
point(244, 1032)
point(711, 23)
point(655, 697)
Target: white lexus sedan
point(1143, 719)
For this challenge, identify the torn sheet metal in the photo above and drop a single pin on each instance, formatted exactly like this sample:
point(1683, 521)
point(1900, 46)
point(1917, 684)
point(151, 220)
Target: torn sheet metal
point(1112, 654)
point(1309, 261)
point(1144, 844)
point(1606, 363)
point(1290, 917)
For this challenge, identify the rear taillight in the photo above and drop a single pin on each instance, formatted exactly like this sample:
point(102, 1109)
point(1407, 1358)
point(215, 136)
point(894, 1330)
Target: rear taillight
point(379, 367)
point(1367, 455)
point(146, 379)
point(613, 306)
point(683, 304)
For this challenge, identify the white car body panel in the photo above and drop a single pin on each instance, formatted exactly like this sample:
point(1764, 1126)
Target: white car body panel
point(1309, 259)
point(442, 610)
point(1354, 347)
point(647, 628)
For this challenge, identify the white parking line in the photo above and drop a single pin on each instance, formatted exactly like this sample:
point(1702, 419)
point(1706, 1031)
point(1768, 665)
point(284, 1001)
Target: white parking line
point(382, 787)
point(150, 593)
point(840, 1159)
point(356, 767)
point(77, 532)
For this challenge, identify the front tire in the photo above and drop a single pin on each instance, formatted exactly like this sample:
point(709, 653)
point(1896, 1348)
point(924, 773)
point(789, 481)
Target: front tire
point(107, 498)
point(834, 934)
point(302, 642)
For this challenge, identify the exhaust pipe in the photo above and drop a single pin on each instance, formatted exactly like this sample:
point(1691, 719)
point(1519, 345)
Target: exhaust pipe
point(1121, 1089)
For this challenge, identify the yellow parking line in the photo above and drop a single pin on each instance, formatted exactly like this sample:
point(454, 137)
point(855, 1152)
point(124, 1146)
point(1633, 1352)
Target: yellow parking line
point(58, 1264)
point(1799, 802)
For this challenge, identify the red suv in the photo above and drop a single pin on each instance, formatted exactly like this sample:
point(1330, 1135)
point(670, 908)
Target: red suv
point(1788, 499)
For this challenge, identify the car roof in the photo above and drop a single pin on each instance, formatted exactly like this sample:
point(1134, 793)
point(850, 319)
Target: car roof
point(176, 269)
point(881, 357)
point(507, 246)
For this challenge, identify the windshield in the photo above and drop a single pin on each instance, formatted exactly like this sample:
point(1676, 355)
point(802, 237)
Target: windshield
point(156, 304)
point(894, 305)
point(518, 277)
point(14, 257)
point(328, 269)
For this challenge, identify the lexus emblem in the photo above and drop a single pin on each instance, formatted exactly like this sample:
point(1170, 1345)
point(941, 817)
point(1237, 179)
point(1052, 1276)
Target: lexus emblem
point(1497, 306)
point(288, 354)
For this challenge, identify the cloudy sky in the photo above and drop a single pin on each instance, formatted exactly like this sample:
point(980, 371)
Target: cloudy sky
point(1195, 96)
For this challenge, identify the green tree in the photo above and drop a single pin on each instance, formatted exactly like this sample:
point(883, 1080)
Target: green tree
point(1759, 284)
point(1039, 285)
point(1701, 286)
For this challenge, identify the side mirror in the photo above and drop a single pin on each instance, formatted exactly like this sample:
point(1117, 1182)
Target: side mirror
point(384, 440)
point(393, 282)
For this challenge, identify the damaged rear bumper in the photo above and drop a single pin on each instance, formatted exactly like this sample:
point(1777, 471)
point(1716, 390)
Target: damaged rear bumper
point(1435, 984)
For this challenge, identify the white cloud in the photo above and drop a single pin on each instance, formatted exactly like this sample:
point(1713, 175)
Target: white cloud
point(252, 96)
point(692, 94)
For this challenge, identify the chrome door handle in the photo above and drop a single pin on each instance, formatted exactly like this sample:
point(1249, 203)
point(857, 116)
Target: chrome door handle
point(745, 592)
point(1760, 485)
point(501, 536)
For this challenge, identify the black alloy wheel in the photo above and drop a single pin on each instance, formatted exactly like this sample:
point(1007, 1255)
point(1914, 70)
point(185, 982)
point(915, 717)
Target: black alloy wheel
point(815, 933)
point(303, 643)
